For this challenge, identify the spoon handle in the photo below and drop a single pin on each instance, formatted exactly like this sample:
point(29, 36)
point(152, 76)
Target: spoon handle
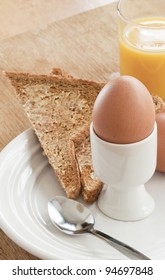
point(120, 246)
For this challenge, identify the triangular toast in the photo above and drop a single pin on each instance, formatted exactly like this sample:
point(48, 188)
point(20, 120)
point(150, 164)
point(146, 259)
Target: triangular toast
point(59, 108)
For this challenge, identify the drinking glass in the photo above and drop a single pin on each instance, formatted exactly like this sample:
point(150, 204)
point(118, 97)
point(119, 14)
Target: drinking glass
point(142, 42)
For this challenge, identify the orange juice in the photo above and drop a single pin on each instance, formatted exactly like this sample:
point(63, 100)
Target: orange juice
point(142, 53)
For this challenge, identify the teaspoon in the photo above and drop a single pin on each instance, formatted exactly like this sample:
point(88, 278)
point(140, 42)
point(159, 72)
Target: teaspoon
point(73, 218)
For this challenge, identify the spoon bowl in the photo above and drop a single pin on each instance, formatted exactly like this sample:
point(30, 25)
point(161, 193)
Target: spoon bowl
point(72, 217)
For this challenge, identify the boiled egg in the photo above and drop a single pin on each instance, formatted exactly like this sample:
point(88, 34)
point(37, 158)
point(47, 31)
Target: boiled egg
point(123, 112)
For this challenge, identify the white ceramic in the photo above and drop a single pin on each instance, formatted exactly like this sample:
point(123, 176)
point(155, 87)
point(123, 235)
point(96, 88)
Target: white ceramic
point(27, 183)
point(125, 168)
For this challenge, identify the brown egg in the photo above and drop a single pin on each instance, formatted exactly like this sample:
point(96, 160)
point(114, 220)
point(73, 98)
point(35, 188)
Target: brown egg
point(160, 120)
point(123, 112)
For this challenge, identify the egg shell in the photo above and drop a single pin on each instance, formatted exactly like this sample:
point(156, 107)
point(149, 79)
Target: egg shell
point(123, 111)
point(160, 120)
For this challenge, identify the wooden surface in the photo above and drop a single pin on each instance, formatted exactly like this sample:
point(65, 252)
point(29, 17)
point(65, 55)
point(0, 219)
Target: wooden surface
point(18, 16)
point(85, 45)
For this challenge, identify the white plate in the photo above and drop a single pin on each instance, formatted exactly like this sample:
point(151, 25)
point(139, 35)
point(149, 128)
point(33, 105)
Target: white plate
point(27, 182)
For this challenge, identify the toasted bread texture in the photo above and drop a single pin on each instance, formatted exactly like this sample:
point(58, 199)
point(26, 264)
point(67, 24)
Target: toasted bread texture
point(59, 108)
point(159, 104)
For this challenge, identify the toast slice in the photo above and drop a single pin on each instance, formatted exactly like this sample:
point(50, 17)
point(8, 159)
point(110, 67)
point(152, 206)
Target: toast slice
point(159, 104)
point(59, 108)
point(91, 186)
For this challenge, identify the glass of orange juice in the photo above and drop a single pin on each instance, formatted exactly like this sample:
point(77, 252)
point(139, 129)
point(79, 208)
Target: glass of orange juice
point(142, 42)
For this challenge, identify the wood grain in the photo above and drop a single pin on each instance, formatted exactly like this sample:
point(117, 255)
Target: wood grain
point(84, 45)
point(18, 16)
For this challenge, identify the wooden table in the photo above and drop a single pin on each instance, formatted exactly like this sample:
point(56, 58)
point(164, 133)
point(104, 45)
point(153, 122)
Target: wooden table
point(85, 45)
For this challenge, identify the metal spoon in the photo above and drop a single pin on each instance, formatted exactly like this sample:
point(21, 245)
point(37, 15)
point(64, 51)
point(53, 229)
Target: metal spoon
point(72, 217)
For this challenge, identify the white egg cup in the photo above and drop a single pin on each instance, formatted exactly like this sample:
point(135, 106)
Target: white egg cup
point(124, 169)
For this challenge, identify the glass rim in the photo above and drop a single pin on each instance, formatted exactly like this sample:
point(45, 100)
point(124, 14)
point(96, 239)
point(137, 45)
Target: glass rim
point(128, 21)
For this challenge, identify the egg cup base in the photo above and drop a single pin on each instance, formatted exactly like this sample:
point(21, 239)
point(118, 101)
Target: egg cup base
point(122, 205)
